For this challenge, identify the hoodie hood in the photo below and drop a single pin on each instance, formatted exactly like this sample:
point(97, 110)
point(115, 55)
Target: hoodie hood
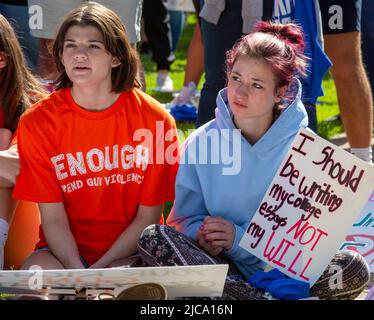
point(292, 118)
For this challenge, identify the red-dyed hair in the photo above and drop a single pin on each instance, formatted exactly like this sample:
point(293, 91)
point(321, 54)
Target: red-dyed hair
point(280, 45)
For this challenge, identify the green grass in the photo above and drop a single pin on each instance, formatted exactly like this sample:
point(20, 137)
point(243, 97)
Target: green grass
point(327, 109)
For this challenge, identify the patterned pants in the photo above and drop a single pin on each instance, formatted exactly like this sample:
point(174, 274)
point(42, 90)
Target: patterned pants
point(161, 245)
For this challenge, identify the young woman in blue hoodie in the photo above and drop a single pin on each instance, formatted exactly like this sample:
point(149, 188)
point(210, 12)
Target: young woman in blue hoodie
point(217, 196)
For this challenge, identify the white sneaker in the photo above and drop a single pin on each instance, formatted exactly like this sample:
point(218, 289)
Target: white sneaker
point(185, 97)
point(164, 83)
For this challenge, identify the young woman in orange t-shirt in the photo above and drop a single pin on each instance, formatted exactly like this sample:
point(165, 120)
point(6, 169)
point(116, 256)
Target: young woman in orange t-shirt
point(92, 176)
point(18, 90)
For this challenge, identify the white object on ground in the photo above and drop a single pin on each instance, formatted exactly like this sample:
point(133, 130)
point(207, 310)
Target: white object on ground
point(164, 83)
point(185, 97)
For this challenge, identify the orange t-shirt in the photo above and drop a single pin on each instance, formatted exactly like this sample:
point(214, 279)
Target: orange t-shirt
point(101, 165)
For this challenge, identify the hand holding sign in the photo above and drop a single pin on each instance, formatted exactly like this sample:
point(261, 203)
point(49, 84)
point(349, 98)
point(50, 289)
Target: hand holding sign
point(308, 208)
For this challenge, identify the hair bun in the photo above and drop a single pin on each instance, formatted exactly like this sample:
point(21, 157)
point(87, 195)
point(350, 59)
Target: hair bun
point(290, 33)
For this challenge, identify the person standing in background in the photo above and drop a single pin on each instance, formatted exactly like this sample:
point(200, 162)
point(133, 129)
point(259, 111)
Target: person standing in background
point(158, 31)
point(130, 12)
point(367, 31)
point(342, 37)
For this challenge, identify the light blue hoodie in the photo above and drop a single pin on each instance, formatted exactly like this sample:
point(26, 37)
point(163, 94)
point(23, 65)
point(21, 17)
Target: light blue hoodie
point(203, 189)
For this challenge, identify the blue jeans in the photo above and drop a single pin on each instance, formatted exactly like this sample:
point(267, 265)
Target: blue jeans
point(176, 23)
point(18, 16)
point(217, 40)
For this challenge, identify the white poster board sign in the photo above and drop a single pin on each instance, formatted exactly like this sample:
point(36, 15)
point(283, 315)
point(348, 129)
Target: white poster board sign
point(179, 281)
point(361, 236)
point(181, 5)
point(312, 202)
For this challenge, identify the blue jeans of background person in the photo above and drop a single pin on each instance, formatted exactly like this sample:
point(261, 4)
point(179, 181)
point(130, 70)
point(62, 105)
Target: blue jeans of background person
point(176, 23)
point(18, 16)
point(217, 40)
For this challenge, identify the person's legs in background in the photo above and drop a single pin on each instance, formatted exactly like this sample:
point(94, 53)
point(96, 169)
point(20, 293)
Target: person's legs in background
point(157, 30)
point(194, 67)
point(343, 46)
point(51, 14)
point(193, 72)
point(217, 39)
point(367, 34)
point(353, 89)
point(176, 24)
point(129, 11)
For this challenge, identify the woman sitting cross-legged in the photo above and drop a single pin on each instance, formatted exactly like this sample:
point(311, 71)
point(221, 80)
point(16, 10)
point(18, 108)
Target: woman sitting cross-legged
point(216, 200)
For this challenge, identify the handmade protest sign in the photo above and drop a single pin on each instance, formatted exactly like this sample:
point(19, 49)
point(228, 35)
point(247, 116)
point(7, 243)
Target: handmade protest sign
point(310, 205)
point(361, 236)
point(179, 281)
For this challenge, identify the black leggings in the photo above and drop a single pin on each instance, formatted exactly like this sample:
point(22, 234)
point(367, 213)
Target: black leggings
point(157, 28)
